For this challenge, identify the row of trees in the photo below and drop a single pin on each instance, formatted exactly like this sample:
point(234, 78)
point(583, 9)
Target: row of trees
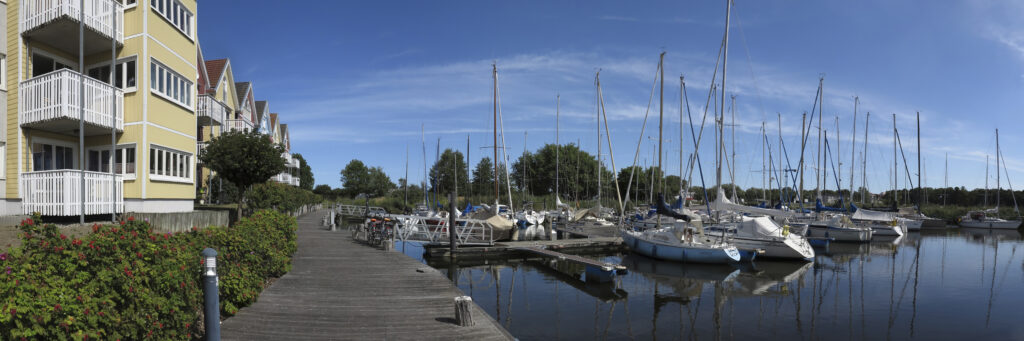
point(533, 174)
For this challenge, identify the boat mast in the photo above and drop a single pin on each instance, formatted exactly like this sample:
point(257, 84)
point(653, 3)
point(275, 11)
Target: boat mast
point(497, 194)
point(423, 141)
point(681, 138)
point(661, 117)
point(853, 145)
point(998, 189)
point(986, 177)
point(895, 166)
point(725, 61)
point(820, 174)
point(558, 104)
point(597, 82)
point(732, 171)
point(839, 164)
point(803, 146)
point(406, 184)
point(864, 162)
point(920, 190)
point(764, 137)
point(781, 177)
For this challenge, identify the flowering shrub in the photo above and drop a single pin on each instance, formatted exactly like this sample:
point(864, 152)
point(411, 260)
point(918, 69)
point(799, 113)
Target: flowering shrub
point(125, 282)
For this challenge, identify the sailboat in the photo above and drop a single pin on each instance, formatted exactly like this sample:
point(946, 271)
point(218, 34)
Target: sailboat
point(989, 219)
point(677, 241)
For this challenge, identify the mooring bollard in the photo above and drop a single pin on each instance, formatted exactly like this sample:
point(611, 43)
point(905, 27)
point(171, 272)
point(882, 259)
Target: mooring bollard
point(463, 313)
point(210, 294)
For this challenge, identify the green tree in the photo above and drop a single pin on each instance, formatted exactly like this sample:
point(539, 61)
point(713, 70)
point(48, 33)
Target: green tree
point(451, 166)
point(243, 158)
point(357, 179)
point(323, 191)
point(305, 173)
point(483, 177)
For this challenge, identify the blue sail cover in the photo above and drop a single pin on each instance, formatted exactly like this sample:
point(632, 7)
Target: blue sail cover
point(678, 204)
point(853, 208)
point(819, 207)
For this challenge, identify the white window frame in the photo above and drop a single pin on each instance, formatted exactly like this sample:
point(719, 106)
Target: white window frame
point(121, 63)
point(62, 60)
point(123, 150)
point(3, 74)
point(169, 10)
point(42, 140)
point(162, 81)
point(176, 157)
point(133, 4)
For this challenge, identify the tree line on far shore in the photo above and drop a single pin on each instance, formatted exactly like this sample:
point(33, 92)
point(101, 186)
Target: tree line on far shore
point(532, 175)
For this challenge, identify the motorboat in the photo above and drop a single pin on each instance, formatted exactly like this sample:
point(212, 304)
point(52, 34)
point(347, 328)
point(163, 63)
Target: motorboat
point(986, 220)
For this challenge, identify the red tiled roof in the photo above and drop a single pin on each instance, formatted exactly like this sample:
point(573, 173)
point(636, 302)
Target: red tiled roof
point(214, 69)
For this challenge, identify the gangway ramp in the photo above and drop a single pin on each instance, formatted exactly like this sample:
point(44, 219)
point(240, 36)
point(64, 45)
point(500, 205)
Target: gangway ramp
point(595, 270)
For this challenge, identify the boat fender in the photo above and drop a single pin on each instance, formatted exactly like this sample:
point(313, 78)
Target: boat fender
point(785, 230)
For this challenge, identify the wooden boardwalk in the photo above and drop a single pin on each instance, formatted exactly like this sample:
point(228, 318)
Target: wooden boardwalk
point(339, 289)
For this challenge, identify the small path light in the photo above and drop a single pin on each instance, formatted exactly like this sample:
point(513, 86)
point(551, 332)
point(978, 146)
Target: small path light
point(210, 292)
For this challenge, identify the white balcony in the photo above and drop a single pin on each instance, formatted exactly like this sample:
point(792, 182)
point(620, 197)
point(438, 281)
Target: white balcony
point(211, 111)
point(51, 102)
point(58, 192)
point(239, 125)
point(55, 22)
point(200, 148)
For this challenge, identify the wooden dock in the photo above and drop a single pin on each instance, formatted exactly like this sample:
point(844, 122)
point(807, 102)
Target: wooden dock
point(340, 289)
point(502, 250)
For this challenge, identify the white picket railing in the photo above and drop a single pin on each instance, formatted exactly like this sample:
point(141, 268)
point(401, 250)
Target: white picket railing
point(55, 96)
point(239, 125)
point(98, 15)
point(200, 147)
point(58, 192)
point(212, 108)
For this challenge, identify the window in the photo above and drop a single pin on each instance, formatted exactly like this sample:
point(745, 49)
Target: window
point(175, 13)
point(43, 64)
point(169, 165)
point(99, 160)
point(3, 72)
point(124, 74)
point(52, 157)
point(170, 84)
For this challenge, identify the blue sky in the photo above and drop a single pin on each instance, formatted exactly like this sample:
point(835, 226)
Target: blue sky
point(358, 79)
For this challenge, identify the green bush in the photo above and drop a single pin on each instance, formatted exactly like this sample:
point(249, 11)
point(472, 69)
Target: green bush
point(126, 282)
point(281, 197)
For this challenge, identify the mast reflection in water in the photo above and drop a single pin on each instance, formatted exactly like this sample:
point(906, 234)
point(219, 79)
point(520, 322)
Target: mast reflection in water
point(937, 284)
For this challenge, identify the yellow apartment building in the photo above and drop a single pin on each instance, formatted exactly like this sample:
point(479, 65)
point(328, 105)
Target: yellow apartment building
point(147, 105)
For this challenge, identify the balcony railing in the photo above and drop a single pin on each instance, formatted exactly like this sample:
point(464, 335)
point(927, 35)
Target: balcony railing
point(55, 97)
point(58, 192)
point(34, 14)
point(200, 148)
point(239, 125)
point(211, 111)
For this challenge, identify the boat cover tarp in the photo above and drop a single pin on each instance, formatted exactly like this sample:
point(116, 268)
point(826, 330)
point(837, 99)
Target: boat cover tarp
point(819, 207)
point(721, 203)
point(869, 215)
point(760, 225)
point(580, 214)
point(663, 209)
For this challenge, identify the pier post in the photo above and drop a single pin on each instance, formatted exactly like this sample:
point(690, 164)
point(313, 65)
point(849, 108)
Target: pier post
point(463, 311)
point(210, 294)
point(333, 225)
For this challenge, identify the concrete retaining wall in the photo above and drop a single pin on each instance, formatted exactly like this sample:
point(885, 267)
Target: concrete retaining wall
point(183, 221)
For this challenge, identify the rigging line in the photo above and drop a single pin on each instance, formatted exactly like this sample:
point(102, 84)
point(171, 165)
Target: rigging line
point(910, 181)
point(750, 63)
point(831, 162)
point(999, 154)
point(643, 128)
point(696, 153)
point(707, 103)
point(501, 122)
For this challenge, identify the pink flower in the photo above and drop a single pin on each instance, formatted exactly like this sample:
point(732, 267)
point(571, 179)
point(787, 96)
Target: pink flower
point(3, 256)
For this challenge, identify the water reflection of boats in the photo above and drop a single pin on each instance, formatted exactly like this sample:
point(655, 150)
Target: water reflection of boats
point(571, 274)
point(767, 278)
point(981, 234)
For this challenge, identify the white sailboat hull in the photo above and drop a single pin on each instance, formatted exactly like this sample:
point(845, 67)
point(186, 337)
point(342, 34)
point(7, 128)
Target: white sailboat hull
point(841, 234)
point(694, 253)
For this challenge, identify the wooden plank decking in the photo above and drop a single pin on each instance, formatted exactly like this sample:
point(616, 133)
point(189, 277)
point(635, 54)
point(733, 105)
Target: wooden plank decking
point(340, 289)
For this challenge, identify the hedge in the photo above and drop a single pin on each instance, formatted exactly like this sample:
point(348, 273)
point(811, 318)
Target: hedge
point(125, 282)
point(281, 197)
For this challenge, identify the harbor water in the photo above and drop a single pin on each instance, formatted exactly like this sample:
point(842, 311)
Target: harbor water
point(933, 285)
